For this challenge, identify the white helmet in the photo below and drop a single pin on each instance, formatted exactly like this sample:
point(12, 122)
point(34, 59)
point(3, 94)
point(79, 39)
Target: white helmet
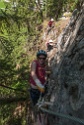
point(52, 19)
point(50, 41)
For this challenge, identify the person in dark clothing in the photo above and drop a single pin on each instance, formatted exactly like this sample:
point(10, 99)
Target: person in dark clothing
point(49, 45)
point(50, 25)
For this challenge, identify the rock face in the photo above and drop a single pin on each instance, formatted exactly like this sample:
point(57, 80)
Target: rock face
point(68, 72)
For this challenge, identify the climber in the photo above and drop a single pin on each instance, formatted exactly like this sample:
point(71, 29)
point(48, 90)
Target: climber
point(38, 76)
point(49, 45)
point(50, 25)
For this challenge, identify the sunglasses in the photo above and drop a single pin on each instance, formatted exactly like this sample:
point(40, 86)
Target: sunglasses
point(42, 58)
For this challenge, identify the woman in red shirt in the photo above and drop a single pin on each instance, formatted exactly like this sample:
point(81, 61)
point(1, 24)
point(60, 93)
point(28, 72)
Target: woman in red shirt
point(38, 74)
point(50, 25)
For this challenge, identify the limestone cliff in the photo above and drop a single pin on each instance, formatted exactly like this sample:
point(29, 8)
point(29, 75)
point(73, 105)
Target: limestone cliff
point(67, 79)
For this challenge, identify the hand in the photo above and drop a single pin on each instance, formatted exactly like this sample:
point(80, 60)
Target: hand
point(42, 90)
point(39, 86)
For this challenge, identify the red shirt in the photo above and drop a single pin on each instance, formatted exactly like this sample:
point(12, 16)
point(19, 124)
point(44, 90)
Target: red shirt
point(40, 72)
point(50, 23)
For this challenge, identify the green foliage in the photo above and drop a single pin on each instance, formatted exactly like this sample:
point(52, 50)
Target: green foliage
point(7, 115)
point(70, 5)
point(54, 8)
point(2, 5)
point(74, 5)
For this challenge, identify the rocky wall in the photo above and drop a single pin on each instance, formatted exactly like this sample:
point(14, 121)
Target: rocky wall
point(67, 79)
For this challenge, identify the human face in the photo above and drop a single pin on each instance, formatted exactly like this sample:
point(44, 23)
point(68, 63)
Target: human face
point(41, 59)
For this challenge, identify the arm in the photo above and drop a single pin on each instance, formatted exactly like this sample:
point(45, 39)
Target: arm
point(33, 70)
point(35, 78)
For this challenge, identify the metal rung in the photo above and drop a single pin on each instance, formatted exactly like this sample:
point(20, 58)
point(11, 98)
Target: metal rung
point(48, 103)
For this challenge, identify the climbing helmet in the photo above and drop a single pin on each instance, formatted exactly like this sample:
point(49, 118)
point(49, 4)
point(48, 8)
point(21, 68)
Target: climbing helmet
point(41, 52)
point(52, 19)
